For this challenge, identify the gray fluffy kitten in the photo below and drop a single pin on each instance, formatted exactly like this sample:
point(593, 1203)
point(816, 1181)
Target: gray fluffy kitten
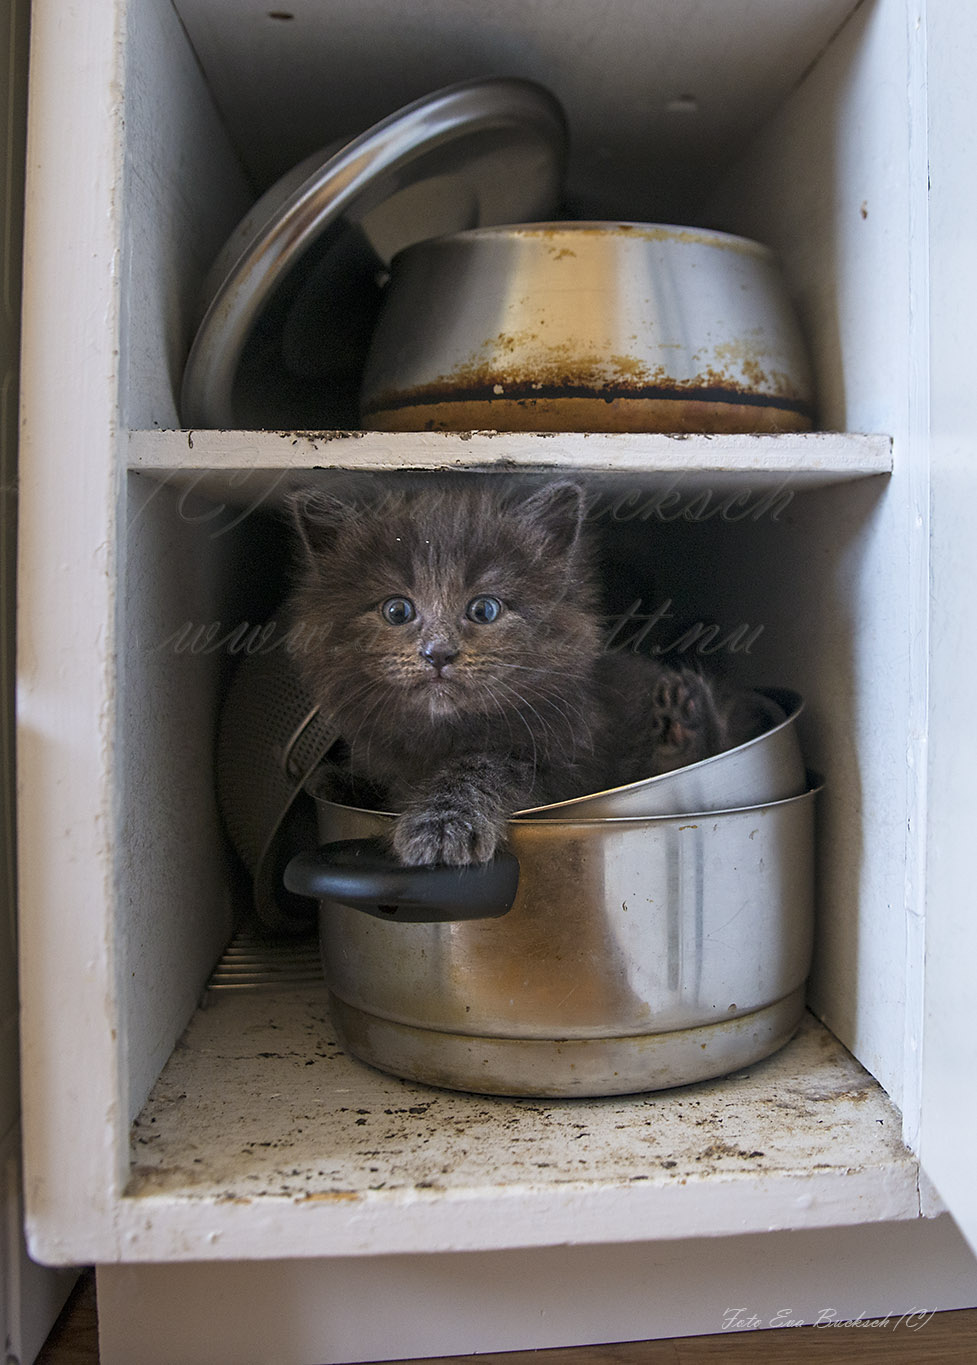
point(452, 635)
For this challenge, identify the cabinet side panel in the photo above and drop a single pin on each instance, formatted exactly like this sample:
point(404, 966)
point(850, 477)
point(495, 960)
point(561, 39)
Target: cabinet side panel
point(827, 184)
point(174, 887)
point(949, 1099)
point(74, 1123)
point(184, 192)
point(31, 1296)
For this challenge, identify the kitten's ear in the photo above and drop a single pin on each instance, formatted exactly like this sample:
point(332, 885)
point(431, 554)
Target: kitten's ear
point(557, 511)
point(316, 516)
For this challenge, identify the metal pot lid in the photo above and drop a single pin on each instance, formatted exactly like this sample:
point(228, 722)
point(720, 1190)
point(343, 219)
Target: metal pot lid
point(295, 291)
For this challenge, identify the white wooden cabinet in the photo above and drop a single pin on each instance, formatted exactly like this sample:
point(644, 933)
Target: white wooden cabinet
point(811, 126)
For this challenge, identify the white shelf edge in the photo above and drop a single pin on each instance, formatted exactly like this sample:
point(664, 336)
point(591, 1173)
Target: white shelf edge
point(234, 1227)
point(811, 457)
point(261, 1137)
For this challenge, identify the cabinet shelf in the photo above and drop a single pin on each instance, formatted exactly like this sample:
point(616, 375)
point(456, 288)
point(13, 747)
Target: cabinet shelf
point(208, 459)
point(259, 1109)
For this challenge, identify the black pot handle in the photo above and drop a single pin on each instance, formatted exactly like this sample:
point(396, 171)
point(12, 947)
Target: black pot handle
point(362, 873)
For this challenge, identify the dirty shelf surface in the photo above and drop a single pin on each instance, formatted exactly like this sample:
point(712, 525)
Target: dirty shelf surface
point(240, 466)
point(258, 1103)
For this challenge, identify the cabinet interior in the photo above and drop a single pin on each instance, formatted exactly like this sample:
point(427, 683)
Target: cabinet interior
point(781, 122)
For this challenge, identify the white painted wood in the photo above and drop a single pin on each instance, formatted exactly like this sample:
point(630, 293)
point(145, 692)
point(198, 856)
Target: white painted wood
point(842, 226)
point(259, 1118)
point(399, 1307)
point(658, 94)
point(802, 461)
point(182, 193)
point(172, 864)
point(31, 1296)
point(949, 1107)
point(74, 1090)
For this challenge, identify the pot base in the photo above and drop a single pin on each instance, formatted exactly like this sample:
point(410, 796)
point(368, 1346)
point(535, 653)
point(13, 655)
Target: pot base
point(567, 1068)
point(597, 413)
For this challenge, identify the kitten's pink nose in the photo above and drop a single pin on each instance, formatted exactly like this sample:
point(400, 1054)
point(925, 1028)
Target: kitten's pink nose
point(439, 654)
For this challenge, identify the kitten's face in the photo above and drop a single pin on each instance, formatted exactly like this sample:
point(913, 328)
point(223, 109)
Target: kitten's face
point(440, 610)
point(452, 635)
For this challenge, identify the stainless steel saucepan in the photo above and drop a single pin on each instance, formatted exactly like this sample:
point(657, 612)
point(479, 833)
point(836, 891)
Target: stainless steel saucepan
point(769, 767)
point(609, 956)
point(587, 327)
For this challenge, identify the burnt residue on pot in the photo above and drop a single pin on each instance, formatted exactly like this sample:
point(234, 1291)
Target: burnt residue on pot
point(539, 407)
point(559, 392)
point(603, 413)
point(734, 373)
point(591, 327)
point(553, 235)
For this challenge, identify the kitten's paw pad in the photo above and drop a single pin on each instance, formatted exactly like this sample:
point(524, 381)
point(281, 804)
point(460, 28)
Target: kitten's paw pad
point(680, 704)
point(427, 838)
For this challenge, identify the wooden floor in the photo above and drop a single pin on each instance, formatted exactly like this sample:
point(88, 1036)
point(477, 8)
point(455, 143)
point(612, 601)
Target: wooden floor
point(941, 1339)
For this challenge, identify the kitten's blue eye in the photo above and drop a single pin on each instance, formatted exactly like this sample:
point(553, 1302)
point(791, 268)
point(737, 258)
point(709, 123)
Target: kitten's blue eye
point(484, 610)
point(398, 611)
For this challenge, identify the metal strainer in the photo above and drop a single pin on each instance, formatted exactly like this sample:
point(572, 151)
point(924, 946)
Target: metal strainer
point(270, 738)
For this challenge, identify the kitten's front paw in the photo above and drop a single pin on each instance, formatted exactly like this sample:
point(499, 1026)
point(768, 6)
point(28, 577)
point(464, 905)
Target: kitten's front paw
point(680, 706)
point(423, 838)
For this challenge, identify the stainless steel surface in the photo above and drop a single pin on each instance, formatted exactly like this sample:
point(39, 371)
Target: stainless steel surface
point(767, 768)
point(587, 327)
point(284, 335)
point(572, 1067)
point(620, 929)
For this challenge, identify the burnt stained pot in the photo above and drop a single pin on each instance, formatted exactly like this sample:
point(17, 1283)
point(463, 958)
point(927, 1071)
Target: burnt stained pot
point(636, 954)
point(587, 327)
